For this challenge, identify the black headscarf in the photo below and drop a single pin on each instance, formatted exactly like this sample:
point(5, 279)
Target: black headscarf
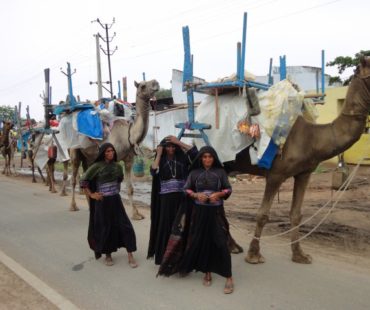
point(102, 149)
point(197, 163)
point(165, 143)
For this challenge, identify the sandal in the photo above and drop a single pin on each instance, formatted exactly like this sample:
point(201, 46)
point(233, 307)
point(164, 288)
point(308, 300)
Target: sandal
point(207, 280)
point(229, 288)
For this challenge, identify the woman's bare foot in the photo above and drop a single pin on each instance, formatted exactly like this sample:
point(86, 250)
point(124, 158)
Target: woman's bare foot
point(207, 280)
point(229, 286)
point(109, 260)
point(131, 261)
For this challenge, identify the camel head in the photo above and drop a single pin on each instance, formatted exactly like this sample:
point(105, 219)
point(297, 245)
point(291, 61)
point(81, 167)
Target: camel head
point(363, 69)
point(146, 89)
point(7, 125)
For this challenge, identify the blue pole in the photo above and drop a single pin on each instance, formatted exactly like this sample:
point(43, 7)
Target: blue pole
point(323, 72)
point(242, 64)
point(143, 76)
point(282, 68)
point(188, 73)
point(270, 81)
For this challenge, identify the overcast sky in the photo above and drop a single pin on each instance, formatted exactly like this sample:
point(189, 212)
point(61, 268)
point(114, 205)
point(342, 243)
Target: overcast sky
point(39, 34)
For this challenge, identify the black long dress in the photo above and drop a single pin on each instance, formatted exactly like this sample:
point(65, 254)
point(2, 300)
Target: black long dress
point(167, 196)
point(199, 240)
point(109, 225)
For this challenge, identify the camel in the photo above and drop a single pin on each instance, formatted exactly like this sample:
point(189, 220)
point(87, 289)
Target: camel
point(125, 136)
point(7, 147)
point(307, 145)
point(36, 140)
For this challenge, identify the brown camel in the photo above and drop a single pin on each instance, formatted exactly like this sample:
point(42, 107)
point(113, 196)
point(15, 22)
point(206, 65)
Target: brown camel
point(125, 136)
point(6, 146)
point(307, 145)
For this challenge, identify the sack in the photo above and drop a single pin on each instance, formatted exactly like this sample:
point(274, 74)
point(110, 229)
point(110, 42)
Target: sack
point(52, 152)
point(119, 109)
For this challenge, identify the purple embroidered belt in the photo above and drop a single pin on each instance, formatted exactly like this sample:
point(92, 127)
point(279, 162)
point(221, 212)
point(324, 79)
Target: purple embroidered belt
point(208, 203)
point(109, 188)
point(172, 186)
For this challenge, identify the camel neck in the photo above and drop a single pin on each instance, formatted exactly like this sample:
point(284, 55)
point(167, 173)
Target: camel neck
point(140, 126)
point(348, 127)
point(5, 136)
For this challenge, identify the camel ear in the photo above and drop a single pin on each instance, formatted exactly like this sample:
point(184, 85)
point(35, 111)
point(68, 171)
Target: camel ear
point(136, 84)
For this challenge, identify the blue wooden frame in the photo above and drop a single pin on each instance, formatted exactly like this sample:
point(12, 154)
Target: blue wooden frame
point(189, 86)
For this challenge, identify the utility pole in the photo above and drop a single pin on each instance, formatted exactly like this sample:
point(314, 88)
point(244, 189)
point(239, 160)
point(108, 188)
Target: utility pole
point(107, 52)
point(124, 87)
point(98, 67)
point(46, 98)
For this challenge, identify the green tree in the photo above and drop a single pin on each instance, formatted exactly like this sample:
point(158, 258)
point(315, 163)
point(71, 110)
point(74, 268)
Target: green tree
point(163, 93)
point(345, 62)
point(6, 113)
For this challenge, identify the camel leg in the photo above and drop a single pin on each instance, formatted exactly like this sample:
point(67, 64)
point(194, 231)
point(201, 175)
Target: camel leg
point(12, 162)
point(272, 186)
point(32, 162)
point(41, 175)
point(65, 178)
point(300, 184)
point(136, 215)
point(75, 160)
point(7, 165)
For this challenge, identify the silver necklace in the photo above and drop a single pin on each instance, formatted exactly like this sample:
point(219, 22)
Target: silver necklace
point(172, 170)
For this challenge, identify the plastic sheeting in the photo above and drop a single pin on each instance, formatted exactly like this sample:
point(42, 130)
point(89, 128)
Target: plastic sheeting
point(90, 124)
point(280, 107)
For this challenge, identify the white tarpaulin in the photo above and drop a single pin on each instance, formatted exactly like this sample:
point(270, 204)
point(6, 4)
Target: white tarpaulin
point(162, 124)
point(42, 153)
point(227, 140)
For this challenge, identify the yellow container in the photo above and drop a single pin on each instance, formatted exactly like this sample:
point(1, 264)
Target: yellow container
point(360, 149)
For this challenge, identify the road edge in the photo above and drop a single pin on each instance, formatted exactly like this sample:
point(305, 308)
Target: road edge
point(49, 293)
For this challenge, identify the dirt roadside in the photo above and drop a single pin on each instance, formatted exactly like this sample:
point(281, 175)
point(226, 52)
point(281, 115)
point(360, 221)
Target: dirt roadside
point(17, 294)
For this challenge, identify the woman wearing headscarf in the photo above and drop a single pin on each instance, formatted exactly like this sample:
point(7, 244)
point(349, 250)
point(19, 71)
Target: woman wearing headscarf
point(169, 171)
point(109, 225)
point(199, 239)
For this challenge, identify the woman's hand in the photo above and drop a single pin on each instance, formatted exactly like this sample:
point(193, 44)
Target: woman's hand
point(172, 139)
point(96, 196)
point(155, 163)
point(214, 197)
point(159, 150)
point(201, 197)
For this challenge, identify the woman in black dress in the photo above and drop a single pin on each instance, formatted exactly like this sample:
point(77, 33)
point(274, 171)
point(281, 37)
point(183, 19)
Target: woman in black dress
point(200, 243)
point(109, 225)
point(169, 171)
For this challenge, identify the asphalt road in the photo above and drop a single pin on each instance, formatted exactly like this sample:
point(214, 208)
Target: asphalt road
point(38, 232)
